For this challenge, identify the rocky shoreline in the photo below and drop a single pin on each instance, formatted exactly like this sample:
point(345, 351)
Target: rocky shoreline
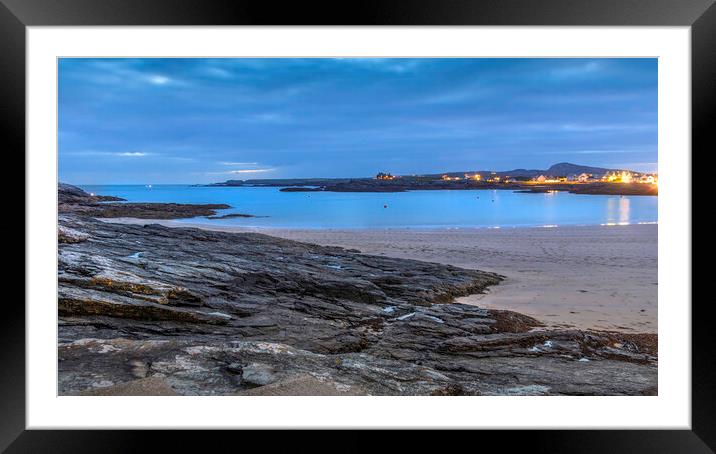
point(157, 310)
point(72, 199)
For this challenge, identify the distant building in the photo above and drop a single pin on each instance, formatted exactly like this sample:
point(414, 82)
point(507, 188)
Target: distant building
point(619, 177)
point(584, 177)
point(384, 176)
point(541, 179)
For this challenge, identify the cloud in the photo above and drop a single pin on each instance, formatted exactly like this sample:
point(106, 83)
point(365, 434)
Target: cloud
point(469, 93)
point(270, 117)
point(225, 163)
point(116, 71)
point(157, 79)
point(249, 171)
point(650, 167)
point(393, 65)
point(241, 171)
point(607, 127)
point(133, 154)
point(601, 151)
point(577, 69)
point(218, 72)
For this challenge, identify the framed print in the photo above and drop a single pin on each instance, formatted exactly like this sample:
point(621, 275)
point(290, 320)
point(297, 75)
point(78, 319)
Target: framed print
point(418, 215)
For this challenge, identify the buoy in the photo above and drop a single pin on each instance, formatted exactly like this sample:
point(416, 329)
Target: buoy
point(385, 206)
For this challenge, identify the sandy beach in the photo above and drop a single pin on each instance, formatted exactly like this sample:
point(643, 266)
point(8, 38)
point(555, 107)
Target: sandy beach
point(591, 277)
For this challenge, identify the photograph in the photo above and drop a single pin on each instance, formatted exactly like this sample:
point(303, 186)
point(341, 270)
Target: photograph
point(358, 226)
point(404, 215)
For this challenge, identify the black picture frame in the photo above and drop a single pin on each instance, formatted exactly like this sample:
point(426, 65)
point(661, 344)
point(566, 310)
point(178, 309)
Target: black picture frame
point(700, 15)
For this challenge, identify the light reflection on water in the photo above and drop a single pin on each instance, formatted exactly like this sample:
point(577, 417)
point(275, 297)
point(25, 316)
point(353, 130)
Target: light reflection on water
point(624, 209)
point(442, 209)
point(618, 211)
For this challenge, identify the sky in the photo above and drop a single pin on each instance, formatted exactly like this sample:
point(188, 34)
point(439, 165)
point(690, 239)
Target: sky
point(153, 121)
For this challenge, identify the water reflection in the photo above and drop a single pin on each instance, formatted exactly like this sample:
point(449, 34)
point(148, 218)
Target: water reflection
point(618, 211)
point(624, 210)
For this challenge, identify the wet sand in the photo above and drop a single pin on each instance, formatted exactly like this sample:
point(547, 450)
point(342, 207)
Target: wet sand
point(592, 277)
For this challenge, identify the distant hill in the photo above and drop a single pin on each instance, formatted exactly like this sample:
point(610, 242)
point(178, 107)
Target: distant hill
point(566, 168)
point(560, 169)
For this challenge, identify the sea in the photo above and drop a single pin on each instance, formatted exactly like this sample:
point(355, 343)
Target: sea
point(412, 209)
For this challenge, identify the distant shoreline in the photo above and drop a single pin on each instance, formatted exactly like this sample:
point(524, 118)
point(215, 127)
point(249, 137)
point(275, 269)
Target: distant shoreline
point(393, 186)
point(573, 178)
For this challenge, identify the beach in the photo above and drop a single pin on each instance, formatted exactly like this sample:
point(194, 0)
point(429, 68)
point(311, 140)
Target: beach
point(153, 307)
point(586, 277)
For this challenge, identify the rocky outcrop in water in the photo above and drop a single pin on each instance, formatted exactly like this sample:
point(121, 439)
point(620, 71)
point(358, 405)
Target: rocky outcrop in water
point(404, 184)
point(157, 310)
point(597, 188)
point(234, 215)
point(72, 199)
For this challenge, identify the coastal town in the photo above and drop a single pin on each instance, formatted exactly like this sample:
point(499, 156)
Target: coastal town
point(559, 177)
point(564, 176)
point(623, 176)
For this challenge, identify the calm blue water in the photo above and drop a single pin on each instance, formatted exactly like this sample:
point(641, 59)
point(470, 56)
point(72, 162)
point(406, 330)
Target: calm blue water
point(417, 209)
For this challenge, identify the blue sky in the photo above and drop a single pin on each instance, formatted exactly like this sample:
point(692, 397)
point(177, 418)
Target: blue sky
point(206, 120)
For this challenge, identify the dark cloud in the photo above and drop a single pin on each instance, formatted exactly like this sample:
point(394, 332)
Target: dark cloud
point(203, 120)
